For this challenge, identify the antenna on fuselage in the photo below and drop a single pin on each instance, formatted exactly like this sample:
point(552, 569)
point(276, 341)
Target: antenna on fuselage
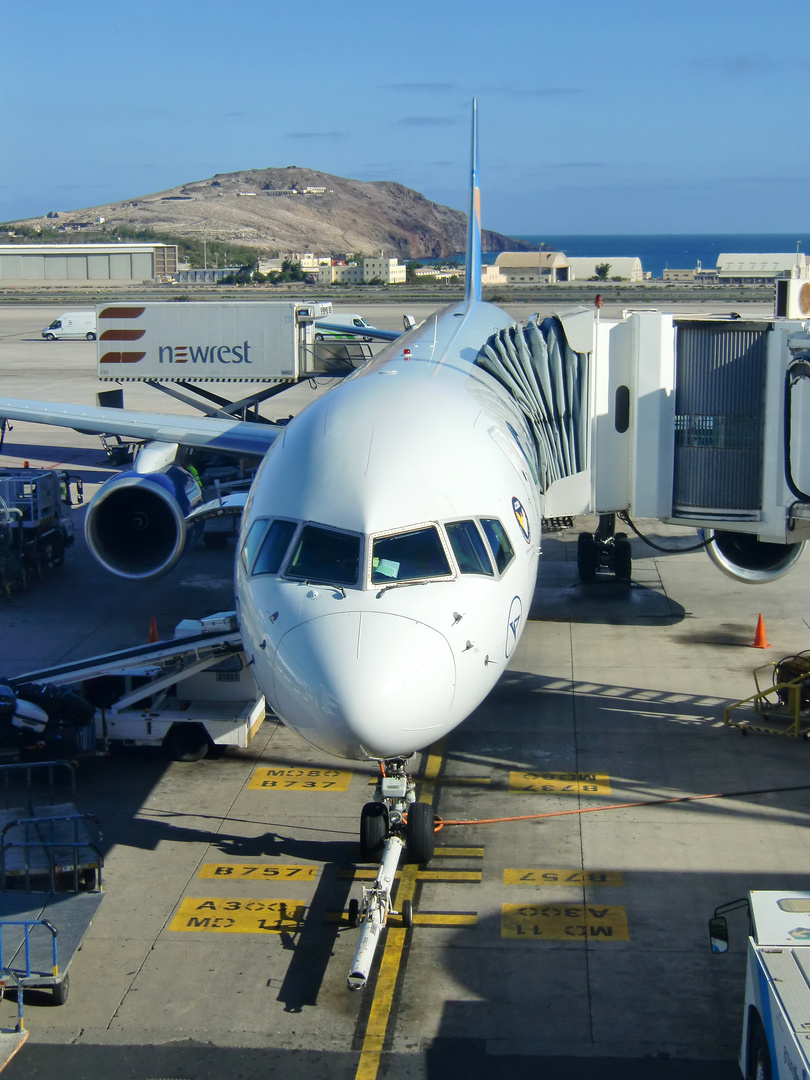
point(473, 281)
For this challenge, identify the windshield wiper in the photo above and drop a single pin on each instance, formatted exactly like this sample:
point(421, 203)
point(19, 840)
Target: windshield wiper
point(327, 585)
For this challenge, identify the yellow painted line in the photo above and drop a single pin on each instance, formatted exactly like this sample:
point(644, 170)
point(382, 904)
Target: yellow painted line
point(432, 769)
point(363, 874)
point(372, 1048)
point(463, 781)
point(258, 871)
point(460, 852)
point(220, 915)
point(560, 783)
point(562, 877)
point(435, 918)
point(564, 922)
point(278, 779)
point(374, 1039)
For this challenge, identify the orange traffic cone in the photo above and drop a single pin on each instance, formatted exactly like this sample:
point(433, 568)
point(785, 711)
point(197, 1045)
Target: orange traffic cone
point(153, 631)
point(760, 641)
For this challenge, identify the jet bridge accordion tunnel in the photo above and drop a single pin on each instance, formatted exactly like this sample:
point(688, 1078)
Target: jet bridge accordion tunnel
point(695, 421)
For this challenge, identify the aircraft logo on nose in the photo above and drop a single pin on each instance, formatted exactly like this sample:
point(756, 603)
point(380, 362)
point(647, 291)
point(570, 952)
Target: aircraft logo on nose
point(513, 625)
point(522, 519)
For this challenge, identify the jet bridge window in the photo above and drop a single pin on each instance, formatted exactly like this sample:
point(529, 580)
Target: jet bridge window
point(409, 556)
point(468, 547)
point(274, 547)
point(325, 555)
point(498, 542)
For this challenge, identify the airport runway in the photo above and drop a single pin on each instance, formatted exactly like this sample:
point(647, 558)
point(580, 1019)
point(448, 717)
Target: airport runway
point(569, 944)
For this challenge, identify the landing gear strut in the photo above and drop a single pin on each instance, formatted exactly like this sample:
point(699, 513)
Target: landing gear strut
point(604, 551)
point(393, 823)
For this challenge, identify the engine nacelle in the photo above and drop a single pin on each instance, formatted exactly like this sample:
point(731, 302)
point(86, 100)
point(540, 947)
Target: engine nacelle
point(136, 523)
point(745, 558)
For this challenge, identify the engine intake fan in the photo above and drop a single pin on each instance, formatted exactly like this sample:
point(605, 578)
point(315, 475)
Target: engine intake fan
point(136, 523)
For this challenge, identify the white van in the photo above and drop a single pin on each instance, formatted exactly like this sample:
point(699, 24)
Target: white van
point(73, 324)
point(354, 328)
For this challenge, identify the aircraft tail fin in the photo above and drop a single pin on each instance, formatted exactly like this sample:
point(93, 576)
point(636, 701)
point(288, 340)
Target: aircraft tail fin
point(473, 281)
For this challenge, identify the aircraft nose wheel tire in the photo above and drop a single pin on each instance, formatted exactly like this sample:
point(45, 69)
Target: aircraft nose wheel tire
point(421, 839)
point(407, 913)
point(373, 830)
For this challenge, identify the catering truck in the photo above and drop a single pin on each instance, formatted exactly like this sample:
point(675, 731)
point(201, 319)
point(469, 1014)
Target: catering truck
point(776, 1017)
point(196, 342)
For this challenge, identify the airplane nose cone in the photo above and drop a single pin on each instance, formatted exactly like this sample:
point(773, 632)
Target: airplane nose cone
point(363, 684)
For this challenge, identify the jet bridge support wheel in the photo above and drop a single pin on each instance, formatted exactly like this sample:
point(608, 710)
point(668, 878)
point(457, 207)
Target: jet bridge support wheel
point(586, 556)
point(622, 559)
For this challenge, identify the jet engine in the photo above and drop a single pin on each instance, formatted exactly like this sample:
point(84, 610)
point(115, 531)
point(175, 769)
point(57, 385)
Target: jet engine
point(745, 558)
point(136, 523)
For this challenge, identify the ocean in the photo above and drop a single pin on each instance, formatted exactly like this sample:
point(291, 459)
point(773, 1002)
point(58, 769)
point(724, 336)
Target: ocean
point(677, 252)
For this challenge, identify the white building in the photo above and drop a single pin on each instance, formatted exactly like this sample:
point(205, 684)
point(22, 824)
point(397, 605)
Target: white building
point(343, 274)
point(760, 269)
point(626, 268)
point(532, 267)
point(67, 264)
point(389, 271)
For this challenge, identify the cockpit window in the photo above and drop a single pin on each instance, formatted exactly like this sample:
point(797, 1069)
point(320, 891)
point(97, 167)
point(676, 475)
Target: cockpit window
point(409, 556)
point(325, 555)
point(498, 542)
point(468, 547)
point(252, 542)
point(274, 547)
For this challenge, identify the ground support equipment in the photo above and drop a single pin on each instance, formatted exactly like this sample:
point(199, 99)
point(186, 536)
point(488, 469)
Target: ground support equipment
point(36, 525)
point(50, 881)
point(189, 694)
point(780, 709)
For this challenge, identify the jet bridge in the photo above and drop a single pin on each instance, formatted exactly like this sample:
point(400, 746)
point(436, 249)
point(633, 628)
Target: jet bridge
point(697, 421)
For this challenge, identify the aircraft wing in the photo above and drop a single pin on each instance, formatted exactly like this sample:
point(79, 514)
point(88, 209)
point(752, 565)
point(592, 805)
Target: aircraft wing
point(209, 432)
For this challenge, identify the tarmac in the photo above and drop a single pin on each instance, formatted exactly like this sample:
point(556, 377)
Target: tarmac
point(570, 941)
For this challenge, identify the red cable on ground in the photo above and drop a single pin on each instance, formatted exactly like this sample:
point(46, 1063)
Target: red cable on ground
point(440, 823)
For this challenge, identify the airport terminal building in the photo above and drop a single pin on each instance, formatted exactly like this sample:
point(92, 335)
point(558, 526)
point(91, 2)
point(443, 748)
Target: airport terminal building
point(70, 264)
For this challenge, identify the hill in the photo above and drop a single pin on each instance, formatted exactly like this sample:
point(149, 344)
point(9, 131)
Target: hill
point(293, 209)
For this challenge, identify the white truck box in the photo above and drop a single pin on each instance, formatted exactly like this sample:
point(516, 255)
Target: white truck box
point(207, 342)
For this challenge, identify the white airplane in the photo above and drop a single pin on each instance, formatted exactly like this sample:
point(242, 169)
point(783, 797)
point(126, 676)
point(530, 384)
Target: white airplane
point(388, 548)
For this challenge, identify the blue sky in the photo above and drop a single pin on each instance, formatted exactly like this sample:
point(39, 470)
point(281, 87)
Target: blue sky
point(642, 117)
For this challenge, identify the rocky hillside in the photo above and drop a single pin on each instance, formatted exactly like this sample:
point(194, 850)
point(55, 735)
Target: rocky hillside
point(335, 215)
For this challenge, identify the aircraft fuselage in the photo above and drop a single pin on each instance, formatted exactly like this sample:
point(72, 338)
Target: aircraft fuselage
point(388, 551)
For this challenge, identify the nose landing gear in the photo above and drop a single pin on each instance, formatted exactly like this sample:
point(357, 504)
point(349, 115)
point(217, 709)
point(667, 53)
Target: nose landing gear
point(392, 823)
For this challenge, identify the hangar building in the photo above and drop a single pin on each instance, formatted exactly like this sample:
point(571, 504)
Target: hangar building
point(67, 264)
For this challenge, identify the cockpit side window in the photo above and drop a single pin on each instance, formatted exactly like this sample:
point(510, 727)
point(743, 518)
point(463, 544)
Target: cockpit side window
point(409, 556)
point(325, 555)
point(468, 547)
point(498, 542)
point(252, 541)
point(274, 547)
